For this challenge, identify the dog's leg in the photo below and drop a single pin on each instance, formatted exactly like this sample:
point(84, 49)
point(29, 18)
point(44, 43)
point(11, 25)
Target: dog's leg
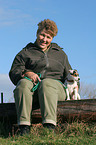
point(67, 94)
point(78, 96)
point(75, 93)
point(66, 91)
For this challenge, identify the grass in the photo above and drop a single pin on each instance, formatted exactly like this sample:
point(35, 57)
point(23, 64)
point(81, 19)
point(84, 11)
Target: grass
point(76, 133)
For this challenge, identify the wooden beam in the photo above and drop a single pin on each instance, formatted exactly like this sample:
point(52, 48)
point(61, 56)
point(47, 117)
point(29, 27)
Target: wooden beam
point(84, 110)
point(67, 111)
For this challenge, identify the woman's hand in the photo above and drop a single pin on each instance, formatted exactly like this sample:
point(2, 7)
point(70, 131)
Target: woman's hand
point(33, 76)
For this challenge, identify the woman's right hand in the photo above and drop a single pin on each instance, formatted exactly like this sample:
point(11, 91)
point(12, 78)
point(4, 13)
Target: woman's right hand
point(33, 76)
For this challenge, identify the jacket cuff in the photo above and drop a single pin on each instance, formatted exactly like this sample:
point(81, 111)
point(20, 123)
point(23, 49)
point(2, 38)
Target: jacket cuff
point(26, 70)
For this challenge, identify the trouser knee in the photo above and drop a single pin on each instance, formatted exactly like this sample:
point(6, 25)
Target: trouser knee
point(24, 86)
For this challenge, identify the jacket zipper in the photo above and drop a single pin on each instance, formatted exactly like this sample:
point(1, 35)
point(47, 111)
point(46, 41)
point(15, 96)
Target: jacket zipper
point(47, 62)
point(47, 65)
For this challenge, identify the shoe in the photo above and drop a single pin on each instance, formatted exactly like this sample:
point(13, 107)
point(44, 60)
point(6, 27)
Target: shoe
point(49, 126)
point(24, 129)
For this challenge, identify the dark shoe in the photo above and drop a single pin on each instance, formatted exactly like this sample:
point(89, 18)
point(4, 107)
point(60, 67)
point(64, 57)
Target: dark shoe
point(49, 126)
point(24, 129)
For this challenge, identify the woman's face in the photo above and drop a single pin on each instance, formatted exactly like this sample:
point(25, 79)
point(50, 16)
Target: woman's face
point(44, 39)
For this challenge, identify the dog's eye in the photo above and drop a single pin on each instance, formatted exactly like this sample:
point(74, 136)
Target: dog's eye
point(71, 73)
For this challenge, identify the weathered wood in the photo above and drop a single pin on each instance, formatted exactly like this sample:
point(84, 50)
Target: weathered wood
point(78, 109)
point(67, 111)
point(8, 113)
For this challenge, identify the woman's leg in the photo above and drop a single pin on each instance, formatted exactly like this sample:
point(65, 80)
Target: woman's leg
point(23, 100)
point(50, 92)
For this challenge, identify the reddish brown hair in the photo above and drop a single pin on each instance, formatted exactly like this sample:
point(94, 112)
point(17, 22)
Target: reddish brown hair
point(49, 25)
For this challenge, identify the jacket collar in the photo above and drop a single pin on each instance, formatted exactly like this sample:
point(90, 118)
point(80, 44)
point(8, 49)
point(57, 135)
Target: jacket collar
point(55, 46)
point(52, 46)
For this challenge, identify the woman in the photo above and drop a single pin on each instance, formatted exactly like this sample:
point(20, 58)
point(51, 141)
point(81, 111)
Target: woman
point(44, 59)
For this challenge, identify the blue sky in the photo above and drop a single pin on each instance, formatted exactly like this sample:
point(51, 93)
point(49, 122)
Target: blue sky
point(76, 22)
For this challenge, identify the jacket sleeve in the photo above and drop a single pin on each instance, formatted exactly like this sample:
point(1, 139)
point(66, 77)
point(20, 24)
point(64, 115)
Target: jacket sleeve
point(66, 63)
point(17, 68)
point(19, 65)
point(67, 67)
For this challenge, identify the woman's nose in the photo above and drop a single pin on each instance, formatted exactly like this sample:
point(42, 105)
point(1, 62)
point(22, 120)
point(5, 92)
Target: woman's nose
point(44, 39)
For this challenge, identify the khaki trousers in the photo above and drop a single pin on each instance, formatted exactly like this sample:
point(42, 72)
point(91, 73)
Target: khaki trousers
point(50, 91)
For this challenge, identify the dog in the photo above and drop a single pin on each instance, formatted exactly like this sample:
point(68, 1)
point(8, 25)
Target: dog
point(71, 86)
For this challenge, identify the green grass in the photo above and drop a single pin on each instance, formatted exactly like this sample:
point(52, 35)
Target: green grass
point(76, 133)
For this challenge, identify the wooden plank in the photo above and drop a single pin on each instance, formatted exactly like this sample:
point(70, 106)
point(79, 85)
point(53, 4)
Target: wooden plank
point(84, 110)
point(7, 109)
point(67, 110)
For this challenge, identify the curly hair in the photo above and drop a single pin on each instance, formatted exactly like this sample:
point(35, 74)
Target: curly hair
point(49, 25)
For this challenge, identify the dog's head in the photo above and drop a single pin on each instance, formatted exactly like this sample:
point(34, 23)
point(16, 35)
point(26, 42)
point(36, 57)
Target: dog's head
point(73, 75)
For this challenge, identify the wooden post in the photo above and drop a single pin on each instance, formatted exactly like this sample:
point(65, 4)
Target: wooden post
point(1, 97)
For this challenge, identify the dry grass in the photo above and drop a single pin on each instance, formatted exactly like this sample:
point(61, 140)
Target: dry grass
point(79, 133)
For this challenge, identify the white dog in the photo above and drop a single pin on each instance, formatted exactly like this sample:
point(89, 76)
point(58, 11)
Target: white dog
point(71, 85)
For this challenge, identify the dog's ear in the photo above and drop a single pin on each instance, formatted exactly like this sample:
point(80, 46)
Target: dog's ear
point(75, 69)
point(71, 71)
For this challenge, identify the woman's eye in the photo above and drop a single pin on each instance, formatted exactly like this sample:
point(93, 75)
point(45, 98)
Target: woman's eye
point(43, 35)
point(48, 37)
